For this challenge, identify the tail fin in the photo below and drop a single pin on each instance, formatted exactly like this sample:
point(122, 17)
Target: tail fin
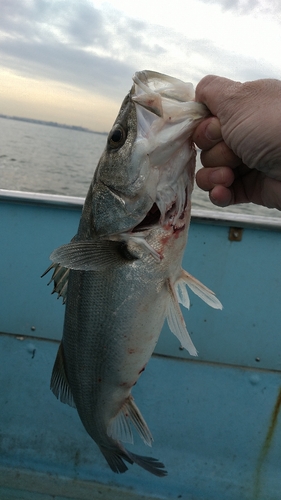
point(148, 463)
point(115, 459)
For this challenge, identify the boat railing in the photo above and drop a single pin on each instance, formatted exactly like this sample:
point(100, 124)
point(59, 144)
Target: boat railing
point(198, 215)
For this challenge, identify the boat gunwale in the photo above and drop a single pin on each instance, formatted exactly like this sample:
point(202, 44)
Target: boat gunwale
point(197, 215)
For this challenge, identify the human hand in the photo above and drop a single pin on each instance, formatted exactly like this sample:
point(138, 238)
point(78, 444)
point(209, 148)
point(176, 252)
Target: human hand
point(241, 143)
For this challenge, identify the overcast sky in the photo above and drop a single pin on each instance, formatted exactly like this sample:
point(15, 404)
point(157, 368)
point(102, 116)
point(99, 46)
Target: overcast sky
point(72, 61)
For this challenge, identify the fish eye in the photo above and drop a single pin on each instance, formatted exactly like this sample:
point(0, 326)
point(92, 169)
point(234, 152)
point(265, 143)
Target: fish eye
point(117, 137)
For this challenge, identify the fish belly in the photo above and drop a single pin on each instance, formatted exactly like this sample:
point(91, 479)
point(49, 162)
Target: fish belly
point(109, 335)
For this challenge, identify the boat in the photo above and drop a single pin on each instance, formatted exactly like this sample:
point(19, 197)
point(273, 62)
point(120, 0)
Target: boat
point(215, 419)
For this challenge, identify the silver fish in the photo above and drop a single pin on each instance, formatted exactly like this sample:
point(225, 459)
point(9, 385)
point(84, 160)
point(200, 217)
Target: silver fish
point(122, 273)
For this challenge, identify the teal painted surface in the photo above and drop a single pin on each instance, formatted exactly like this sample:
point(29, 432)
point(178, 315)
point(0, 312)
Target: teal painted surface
point(215, 420)
point(209, 424)
point(245, 275)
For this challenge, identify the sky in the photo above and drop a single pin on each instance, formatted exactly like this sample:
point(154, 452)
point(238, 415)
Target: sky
point(72, 61)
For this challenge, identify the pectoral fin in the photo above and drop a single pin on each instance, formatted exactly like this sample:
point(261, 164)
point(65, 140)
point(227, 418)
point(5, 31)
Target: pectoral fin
point(134, 241)
point(176, 322)
point(179, 295)
point(199, 289)
point(99, 253)
point(92, 255)
point(59, 383)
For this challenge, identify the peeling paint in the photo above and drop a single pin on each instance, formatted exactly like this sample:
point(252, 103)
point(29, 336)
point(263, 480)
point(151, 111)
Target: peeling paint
point(266, 446)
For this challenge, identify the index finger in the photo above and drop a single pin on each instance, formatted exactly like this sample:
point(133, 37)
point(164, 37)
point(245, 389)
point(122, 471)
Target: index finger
point(208, 133)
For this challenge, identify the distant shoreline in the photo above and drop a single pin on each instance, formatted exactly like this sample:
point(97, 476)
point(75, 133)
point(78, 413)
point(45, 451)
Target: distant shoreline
point(52, 124)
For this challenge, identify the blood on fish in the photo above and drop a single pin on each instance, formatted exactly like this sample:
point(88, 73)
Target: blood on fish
point(165, 239)
point(128, 385)
point(177, 230)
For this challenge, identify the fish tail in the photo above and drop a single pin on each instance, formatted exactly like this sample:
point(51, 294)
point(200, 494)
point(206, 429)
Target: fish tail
point(115, 459)
point(150, 464)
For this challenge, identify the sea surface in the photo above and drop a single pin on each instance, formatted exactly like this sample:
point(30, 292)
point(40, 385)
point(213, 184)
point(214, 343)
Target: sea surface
point(55, 160)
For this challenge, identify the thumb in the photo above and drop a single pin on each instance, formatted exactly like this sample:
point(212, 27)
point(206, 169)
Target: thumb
point(213, 91)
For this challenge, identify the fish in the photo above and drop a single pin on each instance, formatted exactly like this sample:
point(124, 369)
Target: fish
point(121, 275)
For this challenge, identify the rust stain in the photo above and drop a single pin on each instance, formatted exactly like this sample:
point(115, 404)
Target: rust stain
point(235, 233)
point(266, 445)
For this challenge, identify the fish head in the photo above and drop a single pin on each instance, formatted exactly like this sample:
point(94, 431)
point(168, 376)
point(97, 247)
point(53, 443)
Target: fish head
point(148, 163)
point(124, 187)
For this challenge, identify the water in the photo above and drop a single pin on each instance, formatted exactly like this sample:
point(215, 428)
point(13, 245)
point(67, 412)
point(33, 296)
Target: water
point(46, 159)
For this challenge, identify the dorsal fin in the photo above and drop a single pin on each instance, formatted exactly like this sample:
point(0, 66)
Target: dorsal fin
point(60, 278)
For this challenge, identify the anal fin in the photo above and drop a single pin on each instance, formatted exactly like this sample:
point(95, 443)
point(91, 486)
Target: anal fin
point(59, 383)
point(120, 427)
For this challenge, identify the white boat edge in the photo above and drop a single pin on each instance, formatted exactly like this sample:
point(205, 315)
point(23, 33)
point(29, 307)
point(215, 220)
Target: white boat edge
point(200, 215)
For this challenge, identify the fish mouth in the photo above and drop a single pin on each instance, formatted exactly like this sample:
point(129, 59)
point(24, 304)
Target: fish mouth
point(151, 219)
point(154, 218)
point(173, 221)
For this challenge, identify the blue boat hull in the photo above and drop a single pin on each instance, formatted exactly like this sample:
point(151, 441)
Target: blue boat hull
point(215, 419)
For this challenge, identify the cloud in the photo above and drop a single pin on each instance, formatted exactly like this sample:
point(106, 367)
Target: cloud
point(248, 6)
point(99, 50)
point(84, 25)
point(59, 62)
point(226, 63)
point(74, 43)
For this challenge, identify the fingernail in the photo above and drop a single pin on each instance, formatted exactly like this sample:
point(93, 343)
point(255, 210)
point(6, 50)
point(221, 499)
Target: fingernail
point(213, 130)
